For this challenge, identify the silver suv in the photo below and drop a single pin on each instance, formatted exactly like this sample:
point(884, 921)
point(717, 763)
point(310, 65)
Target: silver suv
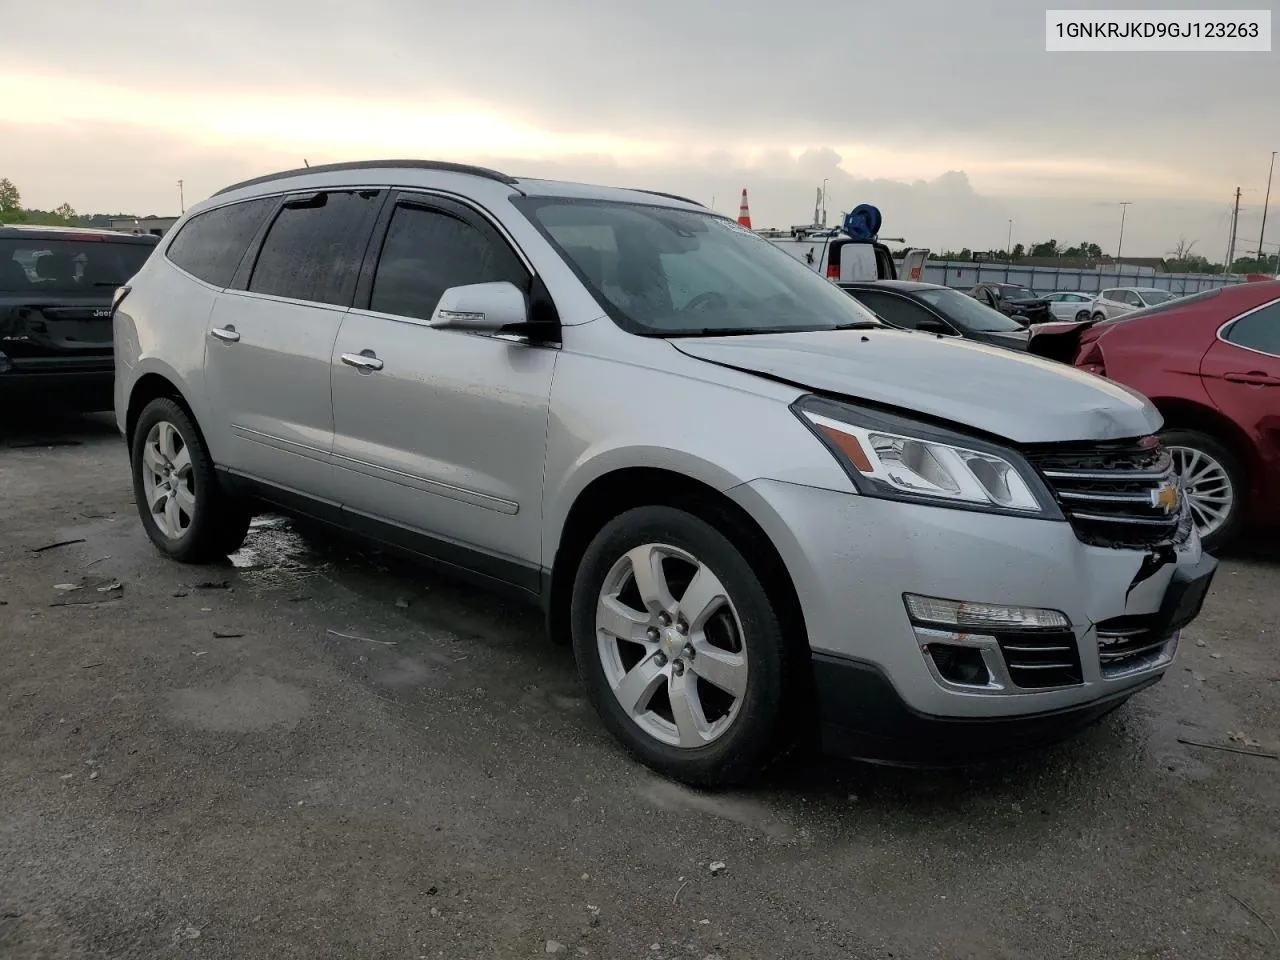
point(1118, 301)
point(755, 512)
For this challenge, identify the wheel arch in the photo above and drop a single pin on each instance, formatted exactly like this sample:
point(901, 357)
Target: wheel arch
point(153, 385)
point(616, 491)
point(1183, 414)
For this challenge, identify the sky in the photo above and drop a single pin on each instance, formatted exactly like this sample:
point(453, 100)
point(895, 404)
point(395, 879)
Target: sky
point(949, 116)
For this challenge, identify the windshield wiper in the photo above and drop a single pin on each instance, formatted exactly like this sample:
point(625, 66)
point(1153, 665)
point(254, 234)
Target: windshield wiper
point(861, 325)
point(735, 331)
point(108, 283)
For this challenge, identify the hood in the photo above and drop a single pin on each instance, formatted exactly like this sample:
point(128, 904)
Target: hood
point(1013, 395)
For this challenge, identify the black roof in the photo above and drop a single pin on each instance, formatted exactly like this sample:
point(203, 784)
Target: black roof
point(902, 286)
point(37, 231)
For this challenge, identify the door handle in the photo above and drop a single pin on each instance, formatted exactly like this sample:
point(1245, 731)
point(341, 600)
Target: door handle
point(226, 334)
point(1255, 378)
point(365, 361)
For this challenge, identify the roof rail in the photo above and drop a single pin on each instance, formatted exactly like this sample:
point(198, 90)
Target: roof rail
point(669, 196)
point(440, 165)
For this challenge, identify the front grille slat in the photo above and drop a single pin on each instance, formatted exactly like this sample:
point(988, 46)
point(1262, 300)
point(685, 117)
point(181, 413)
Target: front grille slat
point(1113, 492)
point(1128, 643)
point(1042, 660)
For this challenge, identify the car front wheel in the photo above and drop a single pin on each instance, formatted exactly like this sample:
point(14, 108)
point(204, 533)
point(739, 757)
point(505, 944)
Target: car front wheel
point(1099, 317)
point(681, 649)
point(1213, 483)
point(184, 509)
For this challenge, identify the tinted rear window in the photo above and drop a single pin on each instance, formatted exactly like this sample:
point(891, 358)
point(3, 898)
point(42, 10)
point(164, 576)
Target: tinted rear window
point(88, 267)
point(314, 248)
point(211, 244)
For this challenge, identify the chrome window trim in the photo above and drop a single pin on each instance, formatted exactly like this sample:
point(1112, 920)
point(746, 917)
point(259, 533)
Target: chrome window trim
point(1224, 329)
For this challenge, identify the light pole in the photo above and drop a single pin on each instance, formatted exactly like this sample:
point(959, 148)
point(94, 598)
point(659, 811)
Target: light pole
point(1008, 243)
point(1124, 208)
point(1263, 232)
point(182, 203)
point(824, 200)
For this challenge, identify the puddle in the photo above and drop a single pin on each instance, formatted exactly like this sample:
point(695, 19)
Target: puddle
point(276, 555)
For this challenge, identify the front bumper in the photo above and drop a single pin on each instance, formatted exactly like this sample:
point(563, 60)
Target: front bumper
point(852, 558)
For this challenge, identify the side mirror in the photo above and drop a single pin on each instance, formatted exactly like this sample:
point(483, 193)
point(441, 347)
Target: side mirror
point(483, 308)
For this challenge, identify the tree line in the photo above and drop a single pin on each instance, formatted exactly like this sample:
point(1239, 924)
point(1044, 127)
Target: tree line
point(12, 211)
point(1180, 259)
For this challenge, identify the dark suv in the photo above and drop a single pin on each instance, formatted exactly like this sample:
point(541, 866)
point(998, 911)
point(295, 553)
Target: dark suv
point(1014, 300)
point(56, 290)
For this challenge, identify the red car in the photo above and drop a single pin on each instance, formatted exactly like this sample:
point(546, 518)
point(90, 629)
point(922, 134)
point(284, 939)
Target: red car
point(1210, 363)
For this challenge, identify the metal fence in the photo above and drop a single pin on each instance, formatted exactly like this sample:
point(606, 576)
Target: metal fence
point(964, 274)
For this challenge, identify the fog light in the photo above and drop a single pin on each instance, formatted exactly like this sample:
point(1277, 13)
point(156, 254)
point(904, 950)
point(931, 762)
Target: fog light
point(963, 665)
point(959, 615)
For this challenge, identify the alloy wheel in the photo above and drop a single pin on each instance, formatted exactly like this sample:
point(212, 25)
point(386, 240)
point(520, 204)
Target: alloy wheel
point(168, 480)
point(671, 645)
point(1207, 487)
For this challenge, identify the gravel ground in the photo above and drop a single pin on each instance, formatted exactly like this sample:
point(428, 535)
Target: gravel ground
point(314, 751)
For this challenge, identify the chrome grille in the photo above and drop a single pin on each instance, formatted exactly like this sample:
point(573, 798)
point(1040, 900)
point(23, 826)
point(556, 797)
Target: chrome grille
point(1049, 659)
point(1127, 644)
point(1111, 491)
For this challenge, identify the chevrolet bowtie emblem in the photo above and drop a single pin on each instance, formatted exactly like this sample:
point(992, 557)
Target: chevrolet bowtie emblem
point(1165, 498)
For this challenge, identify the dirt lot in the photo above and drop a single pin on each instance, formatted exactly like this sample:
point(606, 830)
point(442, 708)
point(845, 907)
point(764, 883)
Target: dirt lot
point(193, 765)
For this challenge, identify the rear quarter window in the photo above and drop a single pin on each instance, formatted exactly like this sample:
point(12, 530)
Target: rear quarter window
point(211, 244)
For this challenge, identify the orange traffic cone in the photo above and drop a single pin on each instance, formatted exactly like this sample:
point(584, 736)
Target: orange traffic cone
point(744, 215)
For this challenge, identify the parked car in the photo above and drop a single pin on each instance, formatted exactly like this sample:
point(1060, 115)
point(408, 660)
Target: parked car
point(1210, 363)
point(1117, 301)
point(1013, 300)
point(1070, 305)
point(754, 510)
point(56, 285)
point(932, 308)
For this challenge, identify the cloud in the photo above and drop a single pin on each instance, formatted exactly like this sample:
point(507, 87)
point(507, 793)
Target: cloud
point(707, 95)
point(136, 169)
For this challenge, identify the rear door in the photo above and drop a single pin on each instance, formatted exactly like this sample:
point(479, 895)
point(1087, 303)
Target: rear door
point(1241, 372)
point(447, 436)
point(270, 342)
point(55, 298)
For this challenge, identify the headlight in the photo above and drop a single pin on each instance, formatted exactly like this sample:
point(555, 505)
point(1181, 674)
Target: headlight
point(890, 456)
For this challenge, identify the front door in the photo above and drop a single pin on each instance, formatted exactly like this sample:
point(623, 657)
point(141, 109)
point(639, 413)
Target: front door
point(269, 346)
point(441, 432)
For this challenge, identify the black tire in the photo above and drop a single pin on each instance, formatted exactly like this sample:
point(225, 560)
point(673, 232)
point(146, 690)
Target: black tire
point(768, 719)
point(1226, 534)
point(218, 522)
point(1082, 316)
point(1099, 317)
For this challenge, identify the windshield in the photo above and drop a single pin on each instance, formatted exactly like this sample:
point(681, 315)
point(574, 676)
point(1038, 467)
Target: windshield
point(967, 313)
point(664, 272)
point(1017, 293)
point(39, 266)
point(1152, 297)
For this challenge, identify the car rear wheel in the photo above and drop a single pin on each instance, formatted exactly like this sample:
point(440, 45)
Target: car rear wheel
point(1213, 483)
point(184, 509)
point(1082, 316)
point(681, 649)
